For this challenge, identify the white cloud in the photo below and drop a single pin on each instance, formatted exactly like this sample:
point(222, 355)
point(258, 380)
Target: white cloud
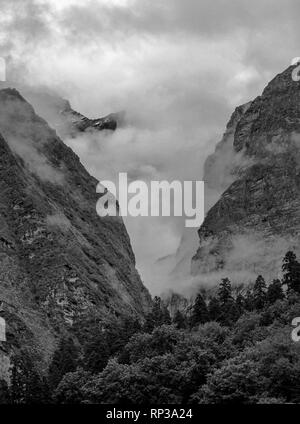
point(177, 67)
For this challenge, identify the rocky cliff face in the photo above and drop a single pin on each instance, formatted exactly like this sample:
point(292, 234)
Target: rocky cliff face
point(61, 116)
point(78, 122)
point(60, 263)
point(257, 167)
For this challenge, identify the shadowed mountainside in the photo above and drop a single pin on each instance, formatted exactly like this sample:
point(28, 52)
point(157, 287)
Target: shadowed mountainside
point(60, 263)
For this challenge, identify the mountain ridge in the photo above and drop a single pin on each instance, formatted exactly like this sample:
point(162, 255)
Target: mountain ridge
point(256, 220)
point(60, 262)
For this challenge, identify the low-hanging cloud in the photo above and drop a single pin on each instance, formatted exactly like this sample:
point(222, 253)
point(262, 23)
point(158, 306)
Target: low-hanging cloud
point(178, 69)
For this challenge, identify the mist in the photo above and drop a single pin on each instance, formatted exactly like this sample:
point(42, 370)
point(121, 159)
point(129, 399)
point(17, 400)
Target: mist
point(25, 135)
point(177, 71)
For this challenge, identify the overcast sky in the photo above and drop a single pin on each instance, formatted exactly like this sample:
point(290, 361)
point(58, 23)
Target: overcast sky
point(177, 67)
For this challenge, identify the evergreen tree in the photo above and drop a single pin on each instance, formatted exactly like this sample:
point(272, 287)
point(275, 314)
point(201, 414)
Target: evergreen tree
point(240, 303)
point(149, 323)
point(249, 300)
point(225, 291)
point(157, 309)
point(275, 291)
point(291, 272)
point(64, 360)
point(230, 313)
point(158, 316)
point(199, 313)
point(179, 320)
point(96, 352)
point(26, 386)
point(118, 332)
point(259, 293)
point(228, 309)
point(214, 309)
point(4, 393)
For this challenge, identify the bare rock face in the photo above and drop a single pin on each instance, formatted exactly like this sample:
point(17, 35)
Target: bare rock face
point(219, 173)
point(60, 263)
point(78, 122)
point(219, 167)
point(257, 218)
point(61, 116)
point(65, 120)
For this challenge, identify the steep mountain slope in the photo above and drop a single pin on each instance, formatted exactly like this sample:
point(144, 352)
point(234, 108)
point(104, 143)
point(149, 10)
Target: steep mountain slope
point(257, 218)
point(60, 263)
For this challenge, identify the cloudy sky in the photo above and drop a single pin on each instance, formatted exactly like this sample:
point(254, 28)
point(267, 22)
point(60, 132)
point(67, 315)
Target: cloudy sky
point(177, 67)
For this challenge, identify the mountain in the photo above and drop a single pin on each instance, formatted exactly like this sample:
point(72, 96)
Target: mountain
point(81, 123)
point(60, 263)
point(61, 116)
point(218, 175)
point(255, 172)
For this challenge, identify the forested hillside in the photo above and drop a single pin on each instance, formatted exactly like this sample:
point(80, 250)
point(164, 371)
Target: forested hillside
point(235, 346)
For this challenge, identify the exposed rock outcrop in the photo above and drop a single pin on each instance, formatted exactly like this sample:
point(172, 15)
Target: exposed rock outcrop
point(61, 116)
point(81, 123)
point(257, 218)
